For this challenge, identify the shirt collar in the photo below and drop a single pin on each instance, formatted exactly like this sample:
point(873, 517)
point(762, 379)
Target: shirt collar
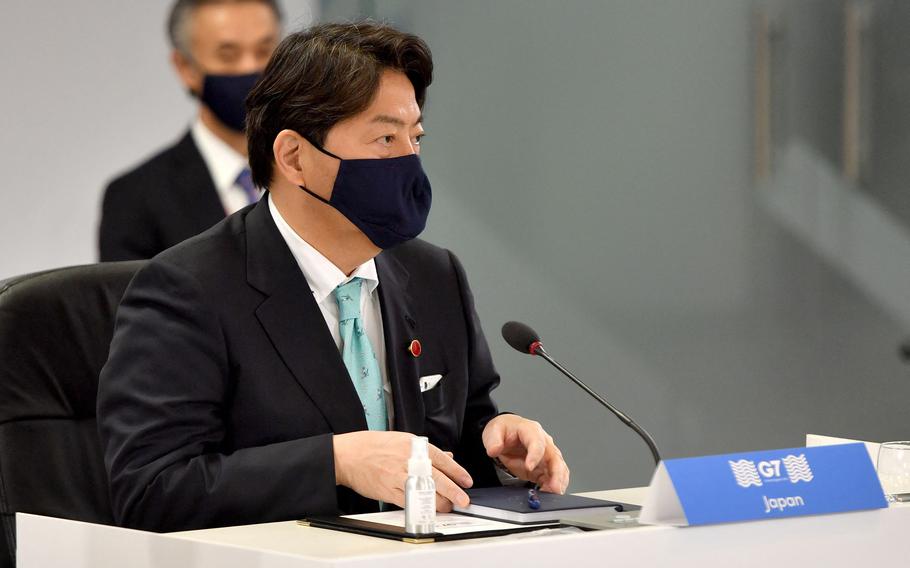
point(224, 163)
point(322, 276)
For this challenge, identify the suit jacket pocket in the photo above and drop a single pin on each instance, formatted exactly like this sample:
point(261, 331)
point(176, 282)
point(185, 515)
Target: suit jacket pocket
point(441, 415)
point(434, 398)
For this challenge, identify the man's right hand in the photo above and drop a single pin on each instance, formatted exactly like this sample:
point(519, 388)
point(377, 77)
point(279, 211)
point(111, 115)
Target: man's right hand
point(375, 465)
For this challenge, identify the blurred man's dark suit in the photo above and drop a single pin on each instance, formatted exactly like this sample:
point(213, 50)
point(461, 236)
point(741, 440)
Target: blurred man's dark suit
point(224, 385)
point(162, 202)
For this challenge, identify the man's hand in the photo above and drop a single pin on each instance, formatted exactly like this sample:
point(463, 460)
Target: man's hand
point(527, 451)
point(375, 465)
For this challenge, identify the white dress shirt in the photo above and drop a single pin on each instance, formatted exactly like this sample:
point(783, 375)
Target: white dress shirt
point(224, 165)
point(323, 277)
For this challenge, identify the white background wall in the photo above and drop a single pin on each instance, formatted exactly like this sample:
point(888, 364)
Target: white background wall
point(86, 92)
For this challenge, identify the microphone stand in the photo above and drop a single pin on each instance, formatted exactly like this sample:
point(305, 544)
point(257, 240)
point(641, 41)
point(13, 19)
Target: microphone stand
point(537, 349)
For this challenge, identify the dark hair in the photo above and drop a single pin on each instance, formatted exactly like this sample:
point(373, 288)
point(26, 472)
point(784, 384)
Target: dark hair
point(322, 75)
point(179, 19)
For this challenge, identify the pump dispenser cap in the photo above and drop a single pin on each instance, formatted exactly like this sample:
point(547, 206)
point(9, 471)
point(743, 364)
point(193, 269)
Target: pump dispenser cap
point(420, 464)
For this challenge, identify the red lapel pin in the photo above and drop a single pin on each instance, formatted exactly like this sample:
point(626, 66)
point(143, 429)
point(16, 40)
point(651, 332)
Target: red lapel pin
point(415, 348)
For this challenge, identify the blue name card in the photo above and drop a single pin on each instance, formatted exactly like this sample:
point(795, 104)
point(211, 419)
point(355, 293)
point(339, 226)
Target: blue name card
point(762, 485)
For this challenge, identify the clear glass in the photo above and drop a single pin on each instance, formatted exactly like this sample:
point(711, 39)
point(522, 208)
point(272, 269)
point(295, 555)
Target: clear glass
point(893, 467)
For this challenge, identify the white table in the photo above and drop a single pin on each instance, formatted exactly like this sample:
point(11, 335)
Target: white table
point(833, 540)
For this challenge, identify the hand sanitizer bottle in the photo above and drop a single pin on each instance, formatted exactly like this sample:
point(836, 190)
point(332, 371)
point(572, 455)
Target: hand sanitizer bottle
point(420, 490)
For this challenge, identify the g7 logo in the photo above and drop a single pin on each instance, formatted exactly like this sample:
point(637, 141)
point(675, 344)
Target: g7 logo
point(748, 473)
point(769, 468)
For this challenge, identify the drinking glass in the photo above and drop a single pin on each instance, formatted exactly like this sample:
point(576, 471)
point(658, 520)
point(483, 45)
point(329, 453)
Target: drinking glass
point(893, 467)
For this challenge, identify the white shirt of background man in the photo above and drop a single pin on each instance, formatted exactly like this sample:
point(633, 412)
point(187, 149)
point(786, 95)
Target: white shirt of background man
point(224, 164)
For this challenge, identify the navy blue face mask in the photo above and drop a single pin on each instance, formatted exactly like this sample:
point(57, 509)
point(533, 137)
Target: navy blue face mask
point(225, 95)
point(388, 199)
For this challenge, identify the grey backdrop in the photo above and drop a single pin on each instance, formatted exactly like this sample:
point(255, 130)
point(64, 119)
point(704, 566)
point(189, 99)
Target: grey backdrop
point(591, 163)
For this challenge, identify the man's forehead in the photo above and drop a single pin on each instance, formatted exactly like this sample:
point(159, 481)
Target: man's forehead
point(239, 22)
point(395, 120)
point(393, 103)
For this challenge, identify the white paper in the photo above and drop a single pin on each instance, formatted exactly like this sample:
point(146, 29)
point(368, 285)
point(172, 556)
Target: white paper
point(446, 523)
point(662, 506)
point(429, 382)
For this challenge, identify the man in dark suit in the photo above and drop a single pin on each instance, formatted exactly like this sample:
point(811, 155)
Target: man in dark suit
point(279, 364)
point(219, 49)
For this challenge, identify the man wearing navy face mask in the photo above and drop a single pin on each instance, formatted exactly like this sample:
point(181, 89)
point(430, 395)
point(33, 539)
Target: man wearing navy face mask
point(278, 365)
point(220, 48)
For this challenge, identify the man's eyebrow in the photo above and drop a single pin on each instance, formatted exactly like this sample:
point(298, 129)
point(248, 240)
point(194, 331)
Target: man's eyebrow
point(386, 119)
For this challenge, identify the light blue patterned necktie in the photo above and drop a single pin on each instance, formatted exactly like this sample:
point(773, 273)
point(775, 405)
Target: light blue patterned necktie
point(358, 355)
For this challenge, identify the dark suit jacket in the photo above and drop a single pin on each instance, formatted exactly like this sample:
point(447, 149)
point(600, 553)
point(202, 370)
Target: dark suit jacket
point(164, 201)
point(223, 387)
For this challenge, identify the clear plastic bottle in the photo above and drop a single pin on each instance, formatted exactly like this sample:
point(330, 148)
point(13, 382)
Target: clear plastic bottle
point(420, 490)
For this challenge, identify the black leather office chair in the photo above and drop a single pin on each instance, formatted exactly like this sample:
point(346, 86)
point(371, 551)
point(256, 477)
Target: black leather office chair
point(55, 329)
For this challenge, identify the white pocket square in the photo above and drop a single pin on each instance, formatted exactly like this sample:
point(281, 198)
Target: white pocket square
point(429, 382)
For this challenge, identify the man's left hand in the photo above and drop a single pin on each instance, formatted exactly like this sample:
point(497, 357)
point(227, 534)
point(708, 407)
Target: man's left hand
point(527, 451)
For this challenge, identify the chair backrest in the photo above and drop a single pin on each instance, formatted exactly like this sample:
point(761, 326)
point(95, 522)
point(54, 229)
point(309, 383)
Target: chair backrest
point(55, 331)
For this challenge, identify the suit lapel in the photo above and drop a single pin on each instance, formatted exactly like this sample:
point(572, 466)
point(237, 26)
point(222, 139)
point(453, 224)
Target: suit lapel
point(399, 329)
point(292, 320)
point(195, 189)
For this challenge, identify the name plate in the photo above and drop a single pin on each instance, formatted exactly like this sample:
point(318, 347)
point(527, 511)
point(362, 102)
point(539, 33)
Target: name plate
point(762, 485)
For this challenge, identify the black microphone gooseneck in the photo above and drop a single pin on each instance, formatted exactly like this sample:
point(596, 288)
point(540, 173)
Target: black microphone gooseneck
point(524, 339)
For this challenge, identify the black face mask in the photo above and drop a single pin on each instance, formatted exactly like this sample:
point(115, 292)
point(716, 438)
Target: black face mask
point(225, 95)
point(388, 199)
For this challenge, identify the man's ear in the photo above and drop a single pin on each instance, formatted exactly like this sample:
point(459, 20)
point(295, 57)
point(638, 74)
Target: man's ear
point(290, 156)
point(190, 76)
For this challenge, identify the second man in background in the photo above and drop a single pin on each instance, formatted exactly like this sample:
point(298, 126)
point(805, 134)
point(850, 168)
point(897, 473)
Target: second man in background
point(220, 48)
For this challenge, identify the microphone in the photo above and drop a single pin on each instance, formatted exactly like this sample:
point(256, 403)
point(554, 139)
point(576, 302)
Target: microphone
point(524, 339)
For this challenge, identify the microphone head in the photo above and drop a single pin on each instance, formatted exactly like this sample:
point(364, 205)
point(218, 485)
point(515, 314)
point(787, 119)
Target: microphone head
point(521, 337)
